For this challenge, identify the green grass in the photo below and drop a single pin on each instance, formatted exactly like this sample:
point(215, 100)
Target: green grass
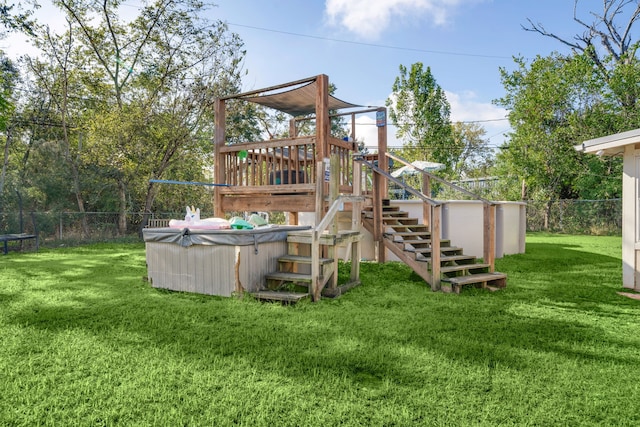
point(85, 341)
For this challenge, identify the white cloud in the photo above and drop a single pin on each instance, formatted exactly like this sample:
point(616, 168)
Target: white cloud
point(466, 108)
point(367, 131)
point(369, 18)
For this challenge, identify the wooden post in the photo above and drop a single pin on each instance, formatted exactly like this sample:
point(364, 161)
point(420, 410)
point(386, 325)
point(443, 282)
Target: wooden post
point(293, 216)
point(353, 131)
point(383, 161)
point(322, 116)
point(436, 215)
point(356, 207)
point(319, 191)
point(322, 127)
point(334, 187)
point(293, 131)
point(489, 237)
point(426, 209)
point(377, 218)
point(219, 164)
point(315, 266)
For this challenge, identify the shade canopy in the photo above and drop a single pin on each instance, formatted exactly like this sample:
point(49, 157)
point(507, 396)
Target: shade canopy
point(420, 164)
point(297, 102)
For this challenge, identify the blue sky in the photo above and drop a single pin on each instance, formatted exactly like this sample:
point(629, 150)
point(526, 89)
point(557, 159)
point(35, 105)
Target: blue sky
point(360, 44)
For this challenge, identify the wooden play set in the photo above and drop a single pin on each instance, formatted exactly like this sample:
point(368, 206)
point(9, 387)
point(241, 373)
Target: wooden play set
point(327, 175)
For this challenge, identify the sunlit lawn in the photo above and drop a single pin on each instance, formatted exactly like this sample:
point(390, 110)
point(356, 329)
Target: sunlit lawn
point(85, 341)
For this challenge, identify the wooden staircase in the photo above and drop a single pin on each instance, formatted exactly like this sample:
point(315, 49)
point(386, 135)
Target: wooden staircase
point(411, 243)
point(293, 280)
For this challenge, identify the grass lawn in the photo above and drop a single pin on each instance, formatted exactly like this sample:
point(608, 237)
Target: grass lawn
point(85, 341)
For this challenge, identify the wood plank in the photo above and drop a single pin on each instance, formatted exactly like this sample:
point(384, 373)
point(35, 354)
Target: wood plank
point(289, 277)
point(443, 250)
point(297, 203)
point(476, 278)
point(343, 237)
point(272, 143)
point(409, 227)
point(339, 290)
point(302, 259)
point(467, 267)
point(280, 296)
point(457, 258)
point(289, 189)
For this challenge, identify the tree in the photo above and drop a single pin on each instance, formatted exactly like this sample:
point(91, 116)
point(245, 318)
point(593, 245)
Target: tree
point(150, 84)
point(58, 75)
point(615, 39)
point(8, 78)
point(15, 18)
point(420, 110)
point(554, 103)
point(474, 156)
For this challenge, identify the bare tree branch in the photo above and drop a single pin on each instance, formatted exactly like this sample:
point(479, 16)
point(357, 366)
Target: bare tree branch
point(603, 28)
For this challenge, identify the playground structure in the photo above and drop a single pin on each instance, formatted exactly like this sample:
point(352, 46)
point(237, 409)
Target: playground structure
point(326, 174)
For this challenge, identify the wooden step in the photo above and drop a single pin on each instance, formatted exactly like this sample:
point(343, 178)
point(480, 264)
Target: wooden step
point(444, 244)
point(464, 259)
point(408, 235)
point(283, 296)
point(468, 259)
point(394, 214)
point(325, 238)
point(368, 211)
point(283, 276)
point(484, 280)
point(467, 267)
point(396, 221)
point(416, 243)
point(449, 250)
point(299, 259)
point(407, 228)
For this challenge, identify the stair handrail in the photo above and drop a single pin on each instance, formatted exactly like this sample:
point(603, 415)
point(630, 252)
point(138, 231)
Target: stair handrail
point(440, 180)
point(393, 179)
point(489, 211)
point(316, 286)
point(434, 219)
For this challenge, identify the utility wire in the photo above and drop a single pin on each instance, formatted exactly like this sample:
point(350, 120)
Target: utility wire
point(411, 49)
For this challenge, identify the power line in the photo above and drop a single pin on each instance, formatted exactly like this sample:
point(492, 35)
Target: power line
point(413, 124)
point(382, 46)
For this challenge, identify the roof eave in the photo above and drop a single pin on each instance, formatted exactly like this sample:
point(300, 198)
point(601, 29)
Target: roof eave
point(610, 145)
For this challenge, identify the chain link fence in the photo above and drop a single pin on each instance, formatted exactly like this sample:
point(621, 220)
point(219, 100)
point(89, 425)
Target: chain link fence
point(599, 217)
point(56, 228)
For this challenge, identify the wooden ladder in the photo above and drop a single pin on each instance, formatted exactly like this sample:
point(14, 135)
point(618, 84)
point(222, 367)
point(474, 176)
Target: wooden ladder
point(293, 280)
point(411, 243)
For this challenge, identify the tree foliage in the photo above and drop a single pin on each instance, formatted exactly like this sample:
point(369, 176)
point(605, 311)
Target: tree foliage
point(556, 102)
point(133, 98)
point(420, 111)
point(13, 17)
point(473, 156)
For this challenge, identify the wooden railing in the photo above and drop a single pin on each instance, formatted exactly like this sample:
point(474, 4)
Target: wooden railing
point(434, 222)
point(317, 282)
point(489, 210)
point(432, 209)
point(274, 164)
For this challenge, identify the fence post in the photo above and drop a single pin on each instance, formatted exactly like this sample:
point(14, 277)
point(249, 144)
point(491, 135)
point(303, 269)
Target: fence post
point(436, 215)
point(489, 238)
point(426, 209)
